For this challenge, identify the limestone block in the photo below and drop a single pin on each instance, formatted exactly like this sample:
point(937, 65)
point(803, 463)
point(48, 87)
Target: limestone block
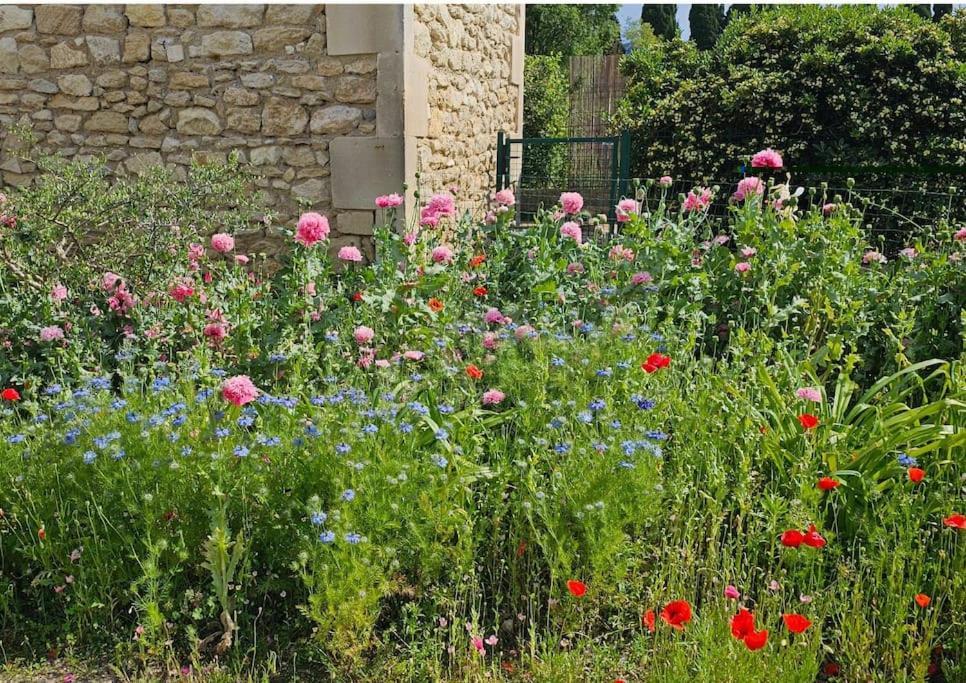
point(78, 85)
point(335, 120)
point(356, 89)
point(244, 120)
point(230, 16)
point(107, 122)
point(363, 29)
point(352, 160)
point(240, 97)
point(104, 50)
point(13, 18)
point(63, 56)
point(9, 56)
point(198, 121)
point(283, 117)
point(103, 19)
point(137, 48)
point(33, 59)
point(59, 19)
point(148, 16)
point(277, 37)
point(226, 43)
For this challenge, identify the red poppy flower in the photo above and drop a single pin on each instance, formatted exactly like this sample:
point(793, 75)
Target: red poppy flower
point(796, 623)
point(577, 588)
point(956, 521)
point(792, 538)
point(655, 362)
point(480, 291)
point(676, 614)
point(813, 538)
point(808, 421)
point(742, 624)
point(828, 483)
point(757, 640)
point(10, 394)
point(831, 669)
point(41, 533)
point(474, 372)
point(923, 600)
point(357, 296)
point(648, 620)
point(477, 260)
point(916, 474)
point(435, 305)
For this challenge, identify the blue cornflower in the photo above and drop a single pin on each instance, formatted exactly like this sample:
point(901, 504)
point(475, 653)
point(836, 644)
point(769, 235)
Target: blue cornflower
point(53, 390)
point(585, 416)
point(100, 383)
point(370, 429)
point(327, 537)
point(348, 495)
point(69, 438)
point(186, 451)
point(318, 518)
point(605, 372)
point(246, 421)
point(179, 420)
point(353, 538)
point(643, 403)
point(118, 404)
point(81, 393)
point(586, 328)
point(597, 404)
point(656, 435)
point(439, 461)
point(405, 427)
point(89, 457)
point(222, 432)
point(342, 448)
point(241, 451)
point(599, 447)
point(217, 372)
point(557, 423)
point(446, 409)
point(907, 460)
point(118, 454)
point(441, 434)
point(629, 447)
point(331, 337)
point(627, 464)
point(160, 384)
point(203, 395)
point(16, 438)
point(557, 361)
point(562, 448)
point(615, 424)
point(416, 377)
point(418, 408)
point(623, 365)
point(277, 358)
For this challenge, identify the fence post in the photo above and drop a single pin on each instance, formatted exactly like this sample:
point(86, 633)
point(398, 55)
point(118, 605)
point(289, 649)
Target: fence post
point(615, 183)
point(625, 162)
point(501, 169)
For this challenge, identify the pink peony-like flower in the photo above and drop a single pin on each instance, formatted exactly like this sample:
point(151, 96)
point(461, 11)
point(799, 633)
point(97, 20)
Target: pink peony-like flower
point(524, 331)
point(697, 201)
point(181, 290)
point(665, 181)
point(311, 229)
point(641, 278)
point(222, 242)
point(58, 293)
point(909, 253)
point(748, 252)
point(621, 253)
point(414, 355)
point(827, 209)
point(572, 231)
point(389, 201)
point(442, 254)
point(109, 281)
point(239, 390)
point(809, 394)
point(350, 253)
point(572, 202)
point(215, 332)
point(493, 397)
point(960, 235)
point(742, 266)
point(51, 333)
point(575, 268)
point(443, 205)
point(493, 316)
point(625, 209)
point(363, 335)
point(490, 341)
point(196, 252)
point(731, 592)
point(767, 158)
point(409, 239)
point(505, 197)
point(748, 187)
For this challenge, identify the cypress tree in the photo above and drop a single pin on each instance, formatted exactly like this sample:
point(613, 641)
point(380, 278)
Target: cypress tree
point(923, 11)
point(707, 22)
point(939, 11)
point(662, 18)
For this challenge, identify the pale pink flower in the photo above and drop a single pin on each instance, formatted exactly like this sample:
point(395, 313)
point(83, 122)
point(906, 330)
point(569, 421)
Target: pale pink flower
point(366, 357)
point(489, 218)
point(350, 253)
point(505, 197)
point(222, 242)
point(389, 201)
point(960, 235)
point(310, 288)
point(382, 363)
point(641, 278)
point(748, 252)
point(625, 209)
point(572, 202)
point(748, 187)
point(767, 158)
point(311, 229)
point(442, 254)
point(409, 239)
point(196, 252)
point(665, 181)
point(827, 209)
point(239, 390)
point(491, 640)
point(490, 341)
point(621, 253)
point(697, 201)
point(731, 592)
point(721, 240)
point(873, 256)
point(414, 355)
point(572, 231)
point(809, 394)
point(493, 316)
point(51, 333)
point(363, 335)
point(241, 259)
point(524, 331)
point(575, 268)
point(109, 281)
point(909, 253)
point(443, 205)
point(742, 266)
point(58, 293)
point(493, 397)
point(215, 332)
point(121, 302)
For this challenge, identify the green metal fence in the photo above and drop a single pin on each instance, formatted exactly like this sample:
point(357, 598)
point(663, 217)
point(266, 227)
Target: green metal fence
point(539, 169)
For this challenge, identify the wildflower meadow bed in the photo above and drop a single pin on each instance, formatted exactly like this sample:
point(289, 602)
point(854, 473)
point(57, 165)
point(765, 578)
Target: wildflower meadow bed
point(689, 450)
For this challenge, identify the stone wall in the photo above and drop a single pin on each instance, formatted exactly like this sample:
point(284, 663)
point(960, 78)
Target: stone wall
point(330, 104)
point(474, 55)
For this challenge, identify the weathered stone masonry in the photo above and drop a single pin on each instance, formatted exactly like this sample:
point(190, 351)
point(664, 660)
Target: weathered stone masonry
point(332, 104)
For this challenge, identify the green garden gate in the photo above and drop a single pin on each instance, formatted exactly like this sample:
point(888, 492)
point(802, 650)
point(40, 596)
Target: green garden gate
point(539, 169)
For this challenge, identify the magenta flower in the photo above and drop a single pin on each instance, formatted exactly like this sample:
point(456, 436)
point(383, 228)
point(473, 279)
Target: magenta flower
point(748, 187)
point(239, 390)
point(641, 278)
point(350, 253)
point(222, 242)
point(572, 202)
point(572, 231)
point(742, 266)
point(442, 254)
point(311, 229)
point(625, 209)
point(493, 397)
point(389, 201)
point(58, 293)
point(767, 158)
point(697, 201)
point(731, 592)
point(51, 333)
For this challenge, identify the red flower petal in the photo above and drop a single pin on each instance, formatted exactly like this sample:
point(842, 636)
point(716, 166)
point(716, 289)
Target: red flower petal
point(576, 588)
point(796, 623)
point(757, 640)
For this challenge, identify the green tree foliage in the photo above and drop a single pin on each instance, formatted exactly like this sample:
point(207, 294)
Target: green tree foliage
point(546, 113)
point(572, 30)
point(707, 22)
point(833, 87)
point(662, 19)
point(921, 9)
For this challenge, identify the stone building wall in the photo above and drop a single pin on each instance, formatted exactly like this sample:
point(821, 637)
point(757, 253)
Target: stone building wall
point(475, 90)
point(330, 104)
